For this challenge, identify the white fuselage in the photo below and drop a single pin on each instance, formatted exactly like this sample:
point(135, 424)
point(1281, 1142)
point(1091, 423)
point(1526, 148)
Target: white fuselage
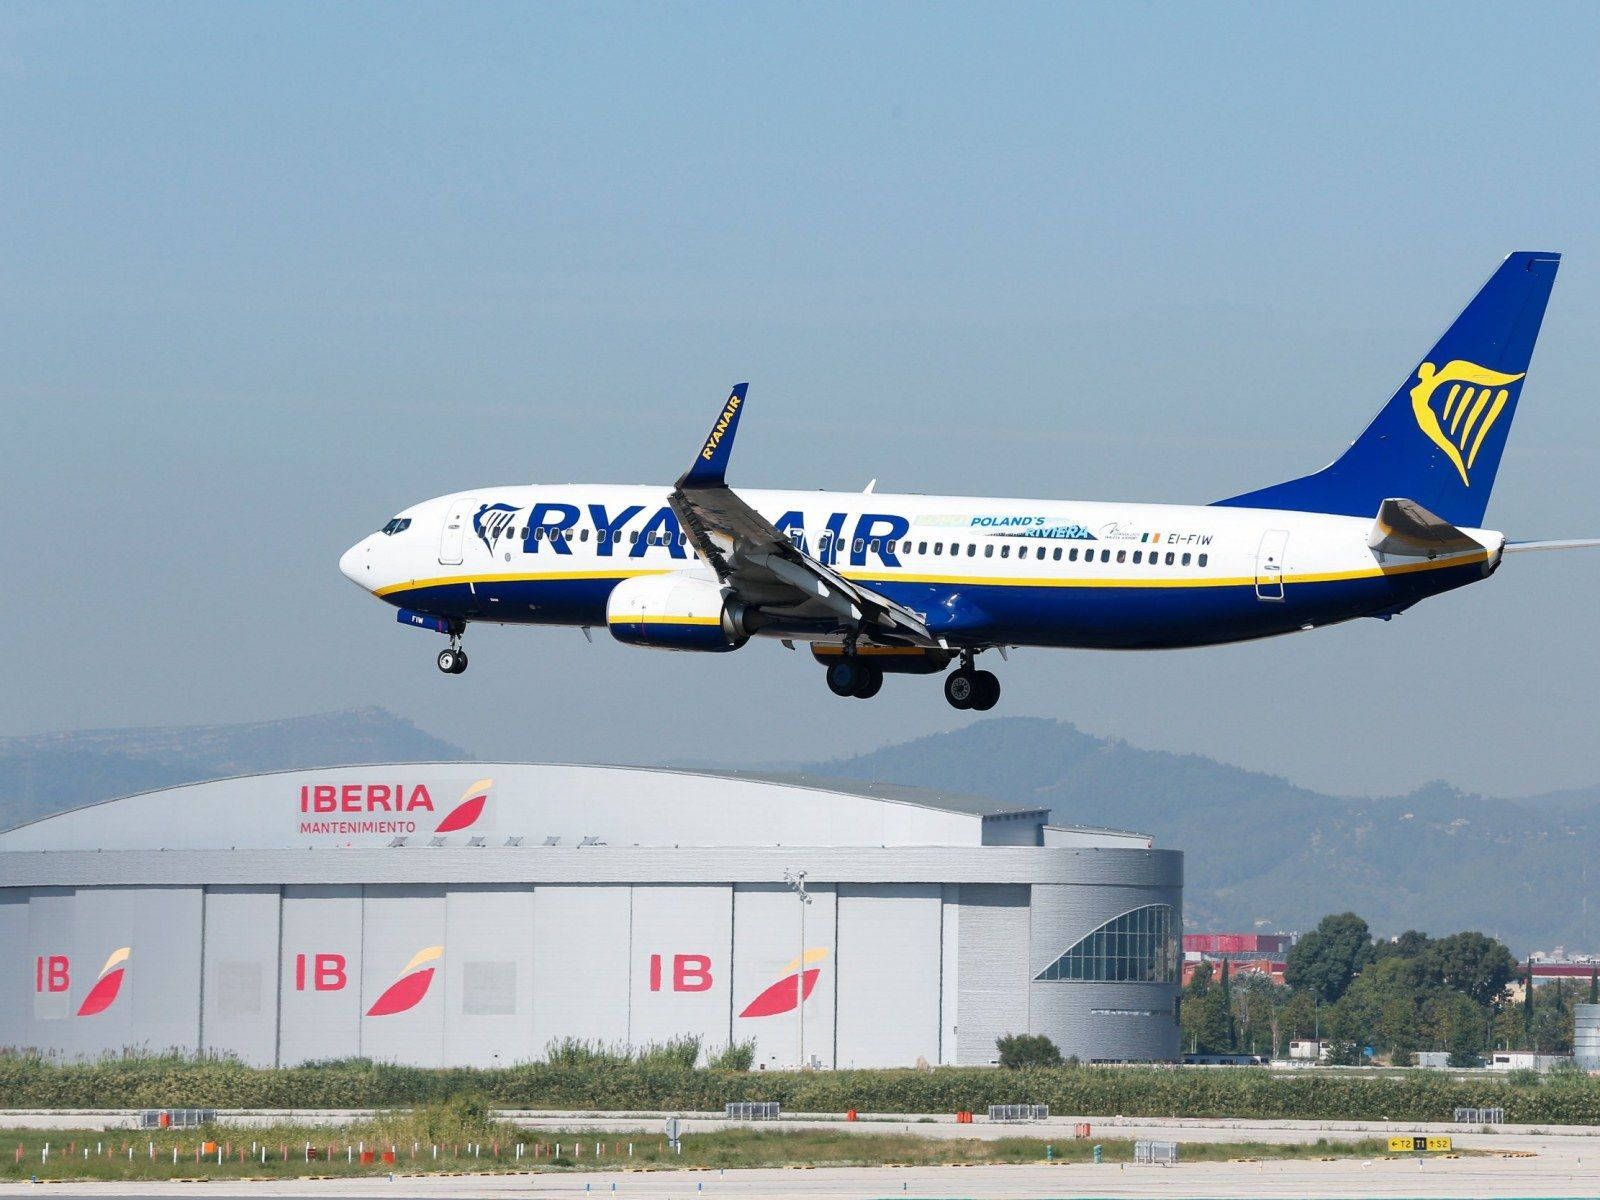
point(987, 571)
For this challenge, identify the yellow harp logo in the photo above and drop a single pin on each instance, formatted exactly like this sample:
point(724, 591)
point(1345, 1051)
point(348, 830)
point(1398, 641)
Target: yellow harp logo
point(1467, 411)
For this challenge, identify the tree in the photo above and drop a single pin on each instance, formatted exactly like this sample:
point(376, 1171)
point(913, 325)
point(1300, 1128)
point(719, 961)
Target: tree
point(1325, 960)
point(1230, 1030)
point(1204, 1013)
point(1019, 1051)
point(1473, 964)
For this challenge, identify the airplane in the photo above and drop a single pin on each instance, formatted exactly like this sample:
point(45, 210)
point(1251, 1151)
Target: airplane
point(881, 584)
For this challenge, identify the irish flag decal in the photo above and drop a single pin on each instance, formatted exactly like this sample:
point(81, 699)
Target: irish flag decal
point(104, 992)
point(407, 991)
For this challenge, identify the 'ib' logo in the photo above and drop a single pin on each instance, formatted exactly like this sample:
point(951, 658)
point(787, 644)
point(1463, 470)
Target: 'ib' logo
point(1467, 411)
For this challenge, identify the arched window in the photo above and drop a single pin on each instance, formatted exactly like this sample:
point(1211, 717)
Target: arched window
point(1139, 947)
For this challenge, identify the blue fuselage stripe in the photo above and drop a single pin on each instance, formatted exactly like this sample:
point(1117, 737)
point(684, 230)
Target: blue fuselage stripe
point(1014, 613)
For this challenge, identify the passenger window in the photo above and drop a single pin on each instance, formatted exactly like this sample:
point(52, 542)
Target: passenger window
point(1170, 557)
point(988, 550)
point(922, 547)
point(633, 537)
point(938, 547)
point(1056, 554)
point(1122, 556)
point(906, 549)
point(1203, 560)
point(1005, 551)
point(972, 548)
point(1105, 556)
point(584, 536)
point(856, 546)
point(1137, 554)
point(1186, 558)
point(1039, 553)
point(873, 545)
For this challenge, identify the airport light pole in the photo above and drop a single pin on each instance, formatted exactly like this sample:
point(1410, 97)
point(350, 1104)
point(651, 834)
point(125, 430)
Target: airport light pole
point(797, 884)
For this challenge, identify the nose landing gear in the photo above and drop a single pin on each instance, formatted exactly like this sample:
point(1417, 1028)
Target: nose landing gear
point(454, 660)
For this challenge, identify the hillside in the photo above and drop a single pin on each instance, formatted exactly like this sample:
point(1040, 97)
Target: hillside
point(1263, 853)
point(54, 771)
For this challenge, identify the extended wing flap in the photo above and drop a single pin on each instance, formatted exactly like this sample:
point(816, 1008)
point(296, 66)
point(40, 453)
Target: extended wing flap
point(756, 559)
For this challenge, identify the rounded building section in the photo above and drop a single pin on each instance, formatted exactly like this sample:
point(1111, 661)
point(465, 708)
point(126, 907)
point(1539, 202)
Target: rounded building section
point(472, 914)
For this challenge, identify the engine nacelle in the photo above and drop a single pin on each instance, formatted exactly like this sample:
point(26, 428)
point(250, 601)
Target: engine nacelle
point(676, 612)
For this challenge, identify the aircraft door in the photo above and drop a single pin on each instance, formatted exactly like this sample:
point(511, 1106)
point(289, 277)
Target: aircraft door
point(454, 533)
point(1269, 564)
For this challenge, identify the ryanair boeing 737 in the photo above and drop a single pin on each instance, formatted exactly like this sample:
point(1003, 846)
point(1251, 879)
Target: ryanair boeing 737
point(911, 584)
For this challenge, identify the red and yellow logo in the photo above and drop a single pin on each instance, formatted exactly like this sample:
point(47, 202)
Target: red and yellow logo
point(407, 991)
point(469, 809)
point(104, 992)
point(780, 997)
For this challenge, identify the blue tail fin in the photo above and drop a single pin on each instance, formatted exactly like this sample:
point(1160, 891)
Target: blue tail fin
point(1438, 441)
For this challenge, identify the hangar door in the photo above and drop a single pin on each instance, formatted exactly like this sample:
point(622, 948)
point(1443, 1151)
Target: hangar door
point(888, 974)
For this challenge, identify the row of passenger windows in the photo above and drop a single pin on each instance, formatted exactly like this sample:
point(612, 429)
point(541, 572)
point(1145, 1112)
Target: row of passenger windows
point(1154, 558)
point(542, 533)
point(1172, 558)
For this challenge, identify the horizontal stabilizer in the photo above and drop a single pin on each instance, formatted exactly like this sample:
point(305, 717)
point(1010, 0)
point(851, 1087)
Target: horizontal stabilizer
point(1557, 544)
point(1405, 528)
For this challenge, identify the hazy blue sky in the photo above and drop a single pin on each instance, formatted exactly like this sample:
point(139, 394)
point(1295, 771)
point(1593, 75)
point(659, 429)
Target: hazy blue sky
point(270, 273)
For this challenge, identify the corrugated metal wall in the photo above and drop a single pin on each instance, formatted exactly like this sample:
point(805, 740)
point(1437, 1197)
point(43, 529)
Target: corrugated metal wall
point(888, 974)
point(492, 973)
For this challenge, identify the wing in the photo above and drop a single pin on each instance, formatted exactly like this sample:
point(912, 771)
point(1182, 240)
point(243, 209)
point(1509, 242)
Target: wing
point(759, 562)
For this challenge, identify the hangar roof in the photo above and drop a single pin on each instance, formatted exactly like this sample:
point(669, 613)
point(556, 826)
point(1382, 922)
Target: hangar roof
point(531, 805)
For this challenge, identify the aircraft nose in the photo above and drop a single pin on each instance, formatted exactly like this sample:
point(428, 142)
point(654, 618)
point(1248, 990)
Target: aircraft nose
point(356, 563)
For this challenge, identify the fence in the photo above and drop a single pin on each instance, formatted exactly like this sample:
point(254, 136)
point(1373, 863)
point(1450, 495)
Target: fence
point(176, 1118)
point(753, 1110)
point(1480, 1116)
point(1160, 1153)
point(1019, 1112)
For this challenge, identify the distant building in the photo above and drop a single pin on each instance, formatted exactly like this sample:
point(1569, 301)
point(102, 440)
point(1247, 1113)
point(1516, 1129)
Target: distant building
point(1236, 945)
point(1314, 1049)
point(1436, 1059)
point(1237, 967)
point(1586, 1036)
point(1544, 970)
point(1525, 1060)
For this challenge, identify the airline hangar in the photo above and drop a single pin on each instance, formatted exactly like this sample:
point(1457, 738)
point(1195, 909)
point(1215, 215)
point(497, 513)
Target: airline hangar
point(472, 914)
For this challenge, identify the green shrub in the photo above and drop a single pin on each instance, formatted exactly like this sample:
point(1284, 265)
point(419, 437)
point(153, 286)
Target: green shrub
point(1019, 1050)
point(736, 1056)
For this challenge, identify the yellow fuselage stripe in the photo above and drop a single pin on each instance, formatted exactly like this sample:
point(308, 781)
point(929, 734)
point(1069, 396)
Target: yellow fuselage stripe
point(1188, 581)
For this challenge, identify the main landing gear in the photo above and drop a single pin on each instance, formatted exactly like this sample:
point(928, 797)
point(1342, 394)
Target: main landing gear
point(968, 688)
point(852, 675)
point(454, 660)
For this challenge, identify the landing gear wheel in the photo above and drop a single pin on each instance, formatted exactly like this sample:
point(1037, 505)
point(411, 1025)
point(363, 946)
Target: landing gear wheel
point(961, 687)
point(461, 661)
point(869, 678)
point(843, 677)
point(987, 691)
point(452, 662)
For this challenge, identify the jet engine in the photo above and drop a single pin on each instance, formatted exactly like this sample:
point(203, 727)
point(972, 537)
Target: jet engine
point(677, 612)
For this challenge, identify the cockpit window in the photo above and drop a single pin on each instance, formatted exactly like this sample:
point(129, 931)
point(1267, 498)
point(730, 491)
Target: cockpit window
point(397, 525)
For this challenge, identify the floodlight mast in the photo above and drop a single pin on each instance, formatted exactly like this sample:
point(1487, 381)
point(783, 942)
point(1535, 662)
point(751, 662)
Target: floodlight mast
point(797, 884)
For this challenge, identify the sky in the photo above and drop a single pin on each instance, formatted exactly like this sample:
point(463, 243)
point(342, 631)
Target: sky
point(270, 273)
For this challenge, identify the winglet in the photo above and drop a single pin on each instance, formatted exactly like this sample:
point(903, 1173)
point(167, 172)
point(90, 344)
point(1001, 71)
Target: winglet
point(711, 464)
